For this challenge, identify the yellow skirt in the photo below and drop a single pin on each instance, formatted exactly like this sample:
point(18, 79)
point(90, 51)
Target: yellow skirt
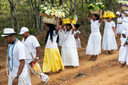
point(52, 60)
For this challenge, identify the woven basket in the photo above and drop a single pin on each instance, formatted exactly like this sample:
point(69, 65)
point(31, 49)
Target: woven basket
point(49, 20)
point(95, 12)
point(44, 14)
point(124, 8)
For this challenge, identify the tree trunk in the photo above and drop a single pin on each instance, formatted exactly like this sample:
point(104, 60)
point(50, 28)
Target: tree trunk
point(12, 10)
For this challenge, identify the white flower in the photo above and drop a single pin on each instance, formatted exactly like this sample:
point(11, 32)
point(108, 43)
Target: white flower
point(45, 8)
point(65, 5)
point(48, 12)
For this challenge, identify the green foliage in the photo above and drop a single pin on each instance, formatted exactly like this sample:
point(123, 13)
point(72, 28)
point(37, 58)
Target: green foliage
point(20, 37)
point(41, 43)
point(32, 31)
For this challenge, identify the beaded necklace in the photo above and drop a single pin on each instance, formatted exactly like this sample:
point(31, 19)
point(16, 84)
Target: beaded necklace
point(11, 68)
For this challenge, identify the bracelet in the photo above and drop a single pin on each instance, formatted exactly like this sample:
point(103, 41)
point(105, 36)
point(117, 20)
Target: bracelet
point(37, 57)
point(17, 76)
point(71, 24)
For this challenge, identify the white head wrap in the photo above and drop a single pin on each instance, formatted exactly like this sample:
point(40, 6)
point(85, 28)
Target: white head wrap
point(124, 32)
point(117, 13)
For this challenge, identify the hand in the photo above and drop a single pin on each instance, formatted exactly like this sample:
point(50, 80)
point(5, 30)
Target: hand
point(36, 60)
point(15, 81)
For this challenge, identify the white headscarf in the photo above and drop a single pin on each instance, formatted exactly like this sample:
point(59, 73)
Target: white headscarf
point(124, 32)
point(117, 13)
point(126, 12)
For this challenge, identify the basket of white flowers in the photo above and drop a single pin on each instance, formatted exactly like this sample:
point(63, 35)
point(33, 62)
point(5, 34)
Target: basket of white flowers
point(124, 5)
point(49, 12)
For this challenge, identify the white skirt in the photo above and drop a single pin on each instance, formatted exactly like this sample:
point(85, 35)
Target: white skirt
point(69, 56)
point(109, 43)
point(123, 54)
point(119, 29)
point(94, 44)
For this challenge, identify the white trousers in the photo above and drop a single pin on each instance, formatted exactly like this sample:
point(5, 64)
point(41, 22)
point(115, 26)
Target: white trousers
point(21, 81)
point(28, 78)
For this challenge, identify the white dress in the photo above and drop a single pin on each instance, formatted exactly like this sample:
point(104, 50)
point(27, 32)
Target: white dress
point(69, 52)
point(125, 23)
point(94, 42)
point(78, 44)
point(61, 36)
point(109, 40)
point(123, 51)
point(119, 28)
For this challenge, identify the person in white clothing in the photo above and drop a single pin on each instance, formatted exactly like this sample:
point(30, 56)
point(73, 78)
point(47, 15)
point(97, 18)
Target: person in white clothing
point(123, 54)
point(61, 35)
point(16, 58)
point(76, 35)
point(52, 60)
point(31, 46)
point(124, 19)
point(119, 28)
point(109, 36)
point(69, 52)
point(94, 42)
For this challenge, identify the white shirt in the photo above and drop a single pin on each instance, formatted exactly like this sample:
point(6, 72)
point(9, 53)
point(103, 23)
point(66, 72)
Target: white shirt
point(18, 54)
point(69, 40)
point(119, 20)
point(61, 37)
point(30, 46)
point(109, 28)
point(95, 25)
point(52, 44)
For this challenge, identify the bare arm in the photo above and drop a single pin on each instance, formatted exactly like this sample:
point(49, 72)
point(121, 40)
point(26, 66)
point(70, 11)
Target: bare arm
point(37, 51)
point(46, 27)
point(114, 29)
point(76, 36)
point(87, 16)
point(100, 20)
point(57, 26)
point(73, 27)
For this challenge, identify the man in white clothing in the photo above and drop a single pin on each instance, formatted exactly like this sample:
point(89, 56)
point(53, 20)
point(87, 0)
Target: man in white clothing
point(32, 46)
point(16, 58)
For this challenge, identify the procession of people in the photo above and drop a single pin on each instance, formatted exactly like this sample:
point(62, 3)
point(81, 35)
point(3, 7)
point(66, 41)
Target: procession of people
point(61, 46)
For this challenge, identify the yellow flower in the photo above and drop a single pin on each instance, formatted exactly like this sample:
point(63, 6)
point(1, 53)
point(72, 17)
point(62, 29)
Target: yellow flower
point(102, 6)
point(61, 15)
point(93, 5)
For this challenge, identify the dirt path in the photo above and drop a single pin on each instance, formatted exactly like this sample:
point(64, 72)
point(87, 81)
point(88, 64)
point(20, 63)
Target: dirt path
point(105, 71)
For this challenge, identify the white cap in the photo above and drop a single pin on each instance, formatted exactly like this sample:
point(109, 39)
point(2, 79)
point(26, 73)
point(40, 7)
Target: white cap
point(117, 13)
point(126, 12)
point(124, 32)
point(8, 32)
point(23, 30)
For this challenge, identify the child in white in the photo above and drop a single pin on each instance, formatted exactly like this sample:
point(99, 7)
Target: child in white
point(94, 42)
point(77, 33)
point(123, 49)
point(119, 28)
point(109, 37)
point(69, 52)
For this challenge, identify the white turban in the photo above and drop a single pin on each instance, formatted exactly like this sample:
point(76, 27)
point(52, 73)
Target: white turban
point(126, 12)
point(117, 13)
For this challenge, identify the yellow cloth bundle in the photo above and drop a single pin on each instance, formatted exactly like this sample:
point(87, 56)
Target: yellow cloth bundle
point(67, 21)
point(109, 14)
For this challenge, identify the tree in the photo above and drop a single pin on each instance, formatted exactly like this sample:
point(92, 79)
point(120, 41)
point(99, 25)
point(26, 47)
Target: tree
point(13, 10)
